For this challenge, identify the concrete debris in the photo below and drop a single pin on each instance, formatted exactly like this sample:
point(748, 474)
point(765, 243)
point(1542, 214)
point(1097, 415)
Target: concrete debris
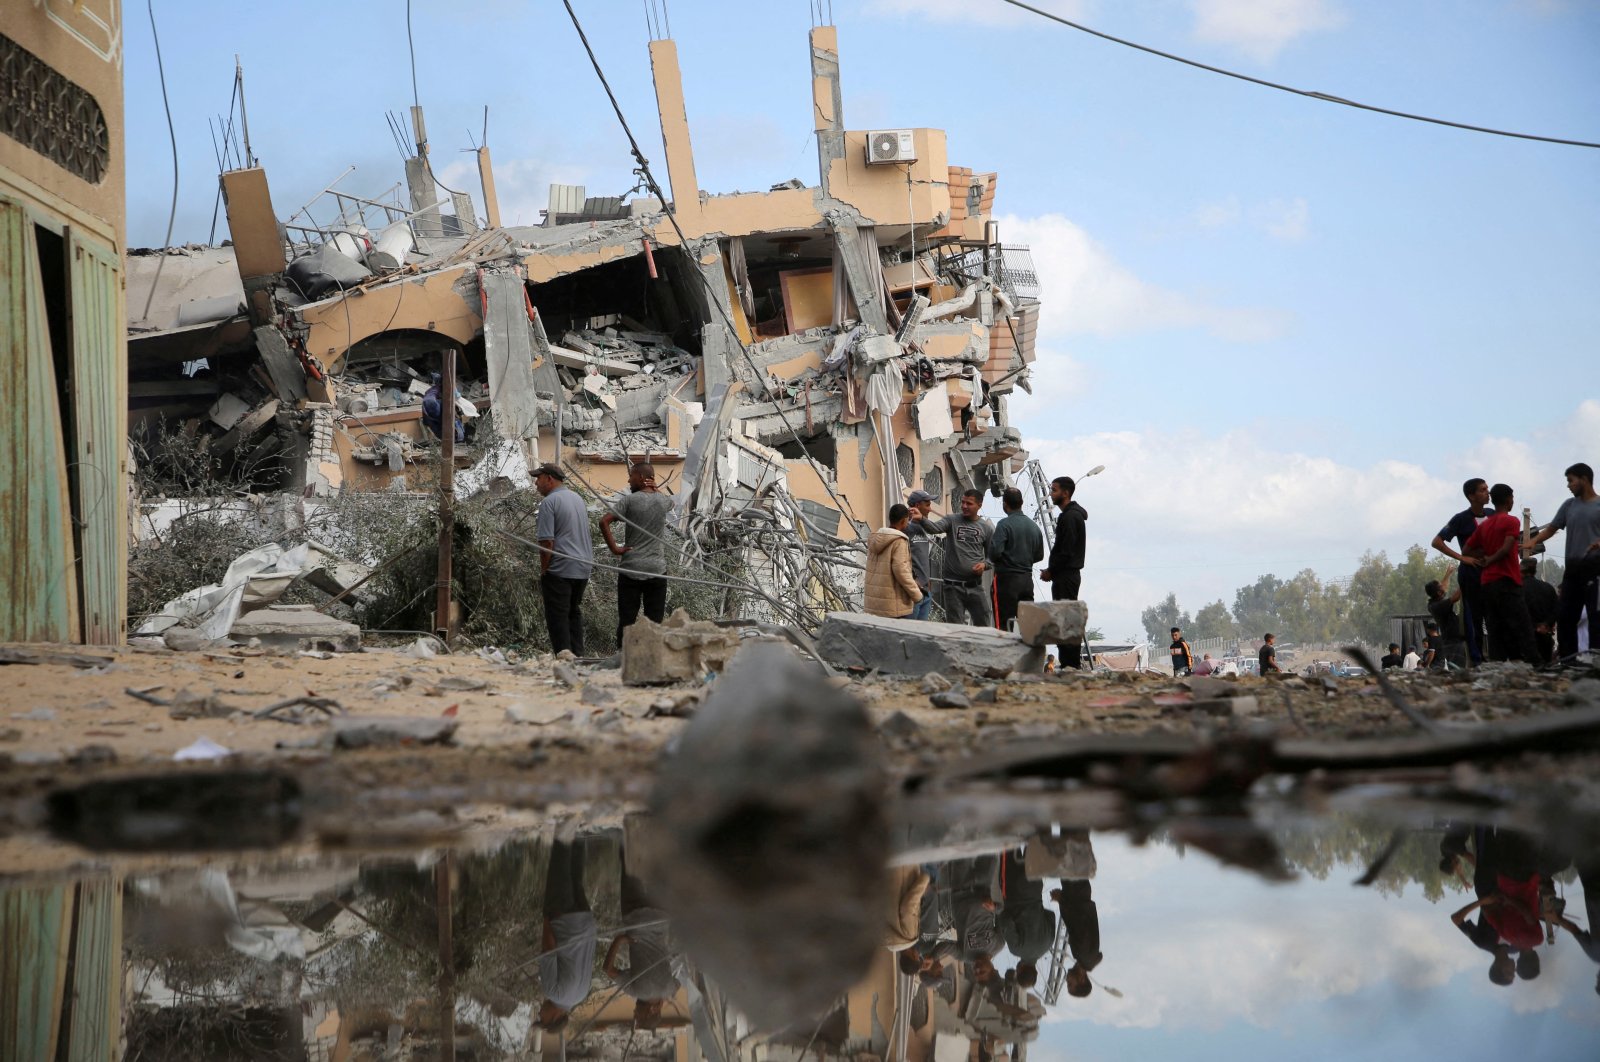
point(934, 682)
point(679, 649)
point(367, 732)
point(1052, 622)
point(298, 627)
point(565, 674)
point(950, 699)
point(915, 647)
point(540, 714)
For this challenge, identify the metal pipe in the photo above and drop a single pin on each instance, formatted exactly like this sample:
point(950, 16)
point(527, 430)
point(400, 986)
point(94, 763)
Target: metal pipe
point(447, 469)
point(649, 256)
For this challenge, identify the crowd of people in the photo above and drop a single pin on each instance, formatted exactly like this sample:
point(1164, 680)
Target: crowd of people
point(986, 570)
point(1506, 611)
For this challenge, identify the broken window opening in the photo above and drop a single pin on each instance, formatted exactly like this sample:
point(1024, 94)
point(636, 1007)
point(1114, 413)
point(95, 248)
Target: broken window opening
point(907, 463)
point(933, 482)
point(620, 310)
point(821, 447)
point(791, 282)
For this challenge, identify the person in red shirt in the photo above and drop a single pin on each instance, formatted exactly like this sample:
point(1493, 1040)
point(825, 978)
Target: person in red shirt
point(1496, 541)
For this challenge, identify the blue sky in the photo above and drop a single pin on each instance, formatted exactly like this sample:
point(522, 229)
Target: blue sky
point(1289, 329)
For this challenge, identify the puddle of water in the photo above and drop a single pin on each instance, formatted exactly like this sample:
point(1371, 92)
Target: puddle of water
point(1036, 941)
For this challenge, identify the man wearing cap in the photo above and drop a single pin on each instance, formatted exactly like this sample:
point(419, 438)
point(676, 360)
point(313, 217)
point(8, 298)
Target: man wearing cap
point(566, 558)
point(1544, 608)
point(921, 503)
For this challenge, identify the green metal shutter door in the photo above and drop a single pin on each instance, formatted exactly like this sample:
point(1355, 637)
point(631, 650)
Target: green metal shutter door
point(96, 1023)
point(38, 588)
point(100, 372)
point(34, 924)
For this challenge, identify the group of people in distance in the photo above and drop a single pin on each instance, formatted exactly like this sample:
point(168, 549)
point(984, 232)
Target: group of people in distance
point(901, 581)
point(1183, 662)
point(1507, 613)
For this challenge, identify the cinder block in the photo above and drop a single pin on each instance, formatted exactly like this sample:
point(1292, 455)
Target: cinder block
point(1052, 622)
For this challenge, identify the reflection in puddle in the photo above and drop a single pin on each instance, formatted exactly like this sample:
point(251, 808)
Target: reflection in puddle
point(1473, 940)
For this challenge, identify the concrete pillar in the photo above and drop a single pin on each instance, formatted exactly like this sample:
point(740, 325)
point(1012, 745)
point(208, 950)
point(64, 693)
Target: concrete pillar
point(827, 103)
point(675, 134)
point(719, 347)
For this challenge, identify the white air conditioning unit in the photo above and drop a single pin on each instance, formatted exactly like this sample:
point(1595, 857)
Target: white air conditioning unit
point(887, 146)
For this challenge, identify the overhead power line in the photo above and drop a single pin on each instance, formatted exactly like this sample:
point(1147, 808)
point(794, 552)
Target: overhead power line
point(1323, 96)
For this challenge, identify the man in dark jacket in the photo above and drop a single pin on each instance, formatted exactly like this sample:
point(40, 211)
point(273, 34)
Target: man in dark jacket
point(1065, 574)
point(1016, 547)
point(433, 406)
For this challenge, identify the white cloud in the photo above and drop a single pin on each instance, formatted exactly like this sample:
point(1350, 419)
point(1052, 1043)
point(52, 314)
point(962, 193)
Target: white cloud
point(1086, 290)
point(1201, 515)
point(1262, 28)
point(980, 12)
point(1253, 952)
point(1288, 220)
point(1219, 214)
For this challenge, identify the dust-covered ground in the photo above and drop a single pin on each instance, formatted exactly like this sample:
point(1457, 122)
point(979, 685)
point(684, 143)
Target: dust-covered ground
point(584, 737)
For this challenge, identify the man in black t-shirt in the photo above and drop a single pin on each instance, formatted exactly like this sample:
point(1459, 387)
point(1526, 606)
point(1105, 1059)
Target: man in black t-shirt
point(1432, 648)
point(1267, 657)
point(1460, 529)
point(1392, 659)
point(1182, 655)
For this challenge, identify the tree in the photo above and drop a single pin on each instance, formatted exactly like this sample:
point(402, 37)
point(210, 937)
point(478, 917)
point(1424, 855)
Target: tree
point(1159, 619)
point(1255, 607)
point(1213, 621)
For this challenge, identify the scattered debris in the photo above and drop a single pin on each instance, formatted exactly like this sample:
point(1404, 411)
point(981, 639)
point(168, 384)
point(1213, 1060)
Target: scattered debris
point(300, 709)
point(36, 715)
point(950, 699)
point(368, 732)
point(541, 714)
point(202, 749)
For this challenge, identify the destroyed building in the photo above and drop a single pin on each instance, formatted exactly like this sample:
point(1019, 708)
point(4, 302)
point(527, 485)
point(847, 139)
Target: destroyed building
point(792, 361)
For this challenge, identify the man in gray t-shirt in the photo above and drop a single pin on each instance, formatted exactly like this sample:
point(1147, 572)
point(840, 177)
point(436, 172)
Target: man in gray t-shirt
point(965, 595)
point(566, 558)
point(1579, 516)
point(643, 512)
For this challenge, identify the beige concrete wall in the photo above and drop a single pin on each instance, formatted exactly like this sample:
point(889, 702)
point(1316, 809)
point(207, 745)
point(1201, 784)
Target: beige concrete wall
point(82, 41)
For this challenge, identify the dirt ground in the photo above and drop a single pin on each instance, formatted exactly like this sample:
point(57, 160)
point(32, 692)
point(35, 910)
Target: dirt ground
point(62, 723)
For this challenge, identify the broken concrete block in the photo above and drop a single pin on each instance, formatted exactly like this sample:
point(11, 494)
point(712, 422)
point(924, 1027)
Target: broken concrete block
point(933, 682)
point(1052, 622)
point(949, 699)
point(679, 649)
point(537, 714)
point(783, 773)
point(297, 627)
point(915, 647)
point(184, 639)
point(374, 732)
